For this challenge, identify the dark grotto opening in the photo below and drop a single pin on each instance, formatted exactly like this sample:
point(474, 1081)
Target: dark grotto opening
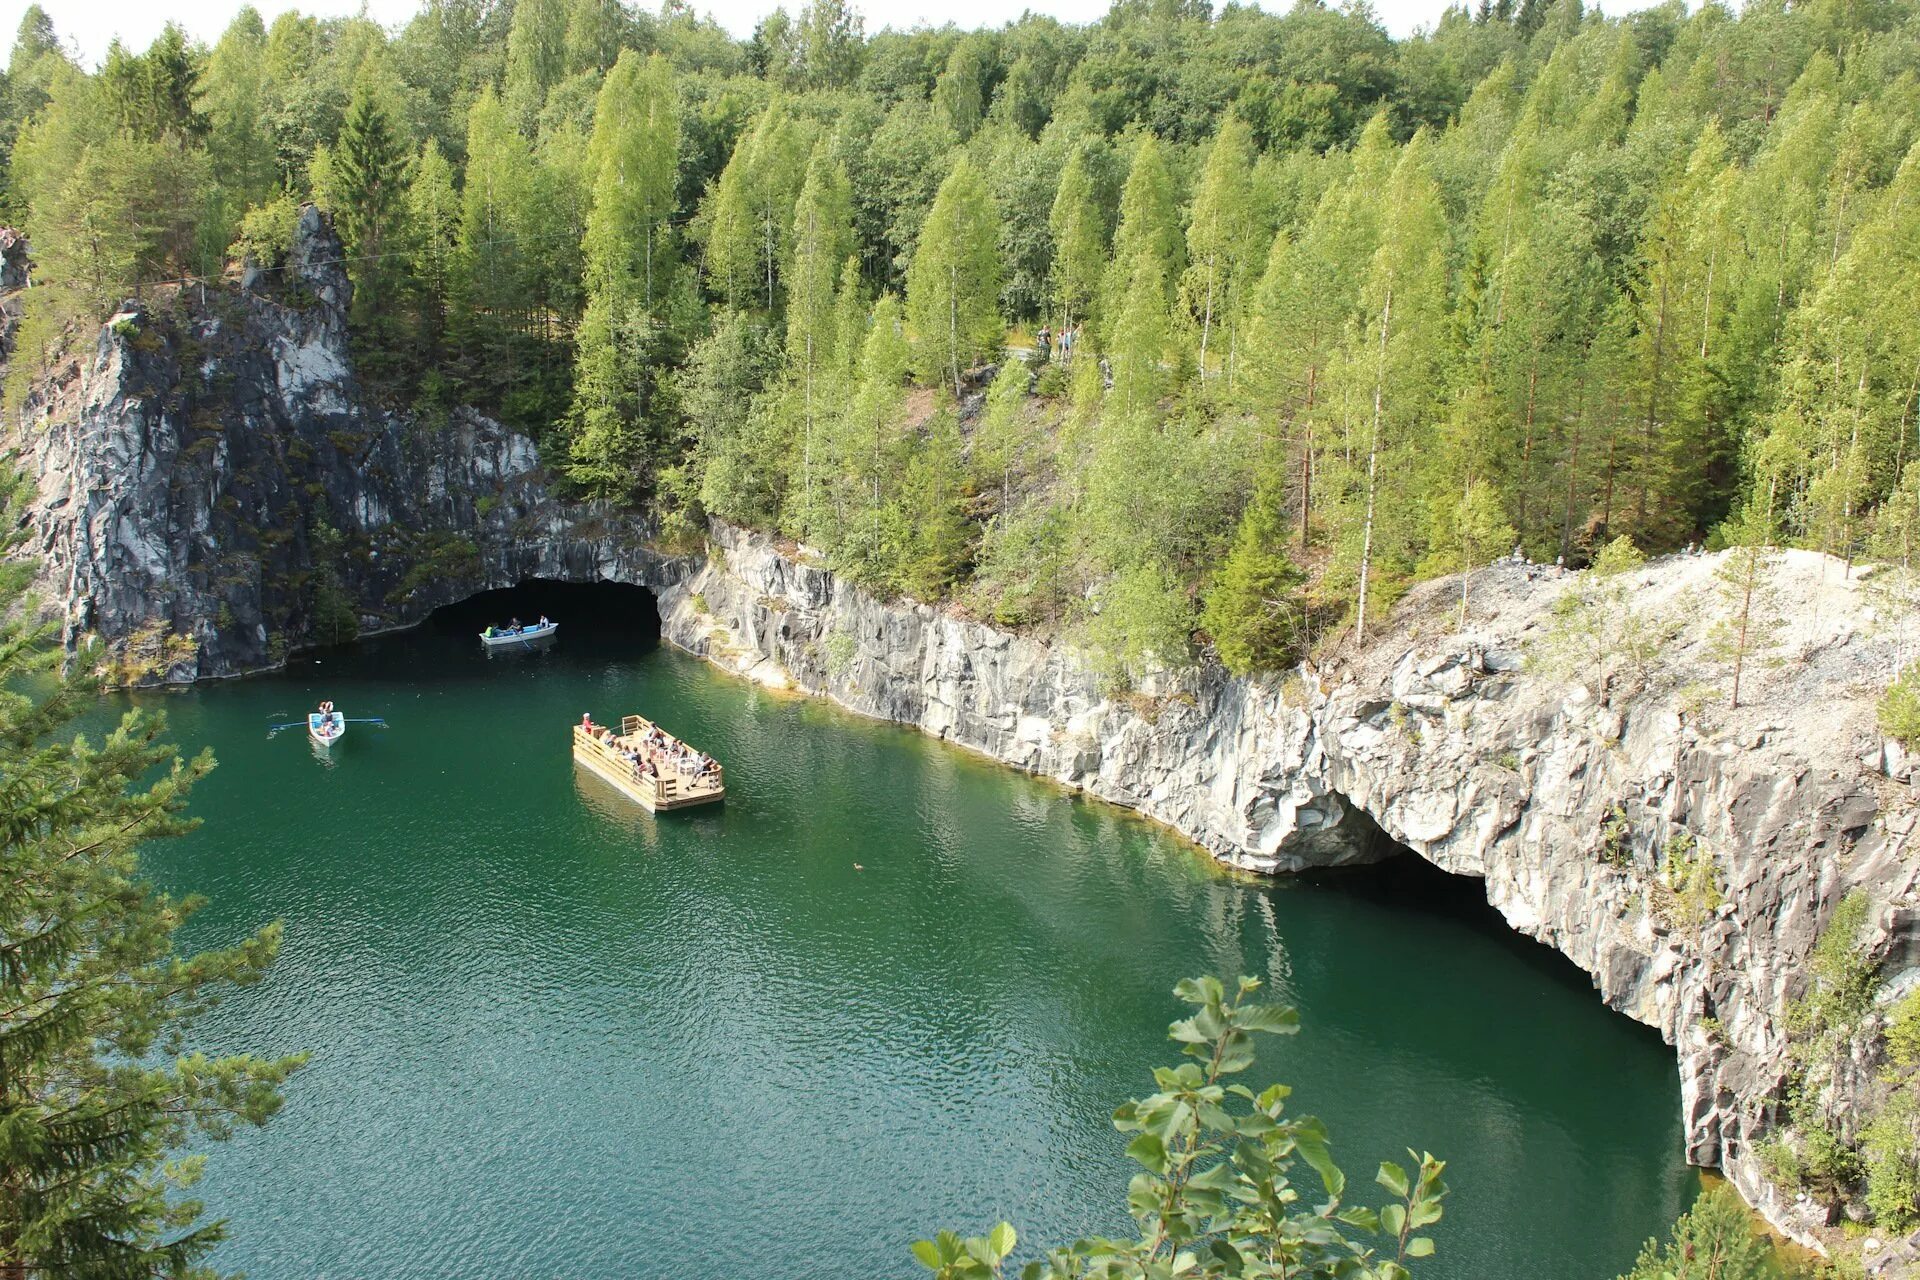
point(616, 611)
point(1401, 880)
point(600, 622)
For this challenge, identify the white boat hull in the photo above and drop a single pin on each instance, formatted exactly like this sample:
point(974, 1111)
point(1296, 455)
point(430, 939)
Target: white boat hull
point(524, 636)
point(328, 729)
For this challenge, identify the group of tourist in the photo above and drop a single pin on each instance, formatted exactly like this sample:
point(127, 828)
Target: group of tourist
point(654, 753)
point(515, 627)
point(1046, 338)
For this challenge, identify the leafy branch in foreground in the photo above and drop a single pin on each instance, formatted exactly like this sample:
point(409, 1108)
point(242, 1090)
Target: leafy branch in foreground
point(1216, 1199)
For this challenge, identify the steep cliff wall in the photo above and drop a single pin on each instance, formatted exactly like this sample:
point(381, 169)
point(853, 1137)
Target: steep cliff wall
point(1581, 807)
point(211, 472)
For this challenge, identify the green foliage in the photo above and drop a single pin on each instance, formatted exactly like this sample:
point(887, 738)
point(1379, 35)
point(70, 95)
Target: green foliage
point(1824, 1026)
point(335, 620)
point(1899, 708)
point(1530, 276)
point(1597, 627)
point(101, 1088)
point(1716, 1239)
point(1689, 882)
point(266, 232)
point(1254, 611)
point(1216, 1196)
point(953, 286)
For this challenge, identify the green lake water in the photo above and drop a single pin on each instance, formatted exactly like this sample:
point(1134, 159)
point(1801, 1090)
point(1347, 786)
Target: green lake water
point(887, 987)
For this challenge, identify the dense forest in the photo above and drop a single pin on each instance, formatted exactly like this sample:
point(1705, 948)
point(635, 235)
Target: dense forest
point(1346, 310)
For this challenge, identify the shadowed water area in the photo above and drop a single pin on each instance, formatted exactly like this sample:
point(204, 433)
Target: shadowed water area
point(887, 987)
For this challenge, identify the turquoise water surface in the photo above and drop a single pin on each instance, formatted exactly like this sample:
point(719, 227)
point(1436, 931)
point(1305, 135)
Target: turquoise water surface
point(887, 987)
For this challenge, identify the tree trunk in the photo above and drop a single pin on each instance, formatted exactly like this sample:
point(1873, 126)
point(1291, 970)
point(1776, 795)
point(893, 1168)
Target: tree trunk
point(1206, 323)
point(953, 327)
point(1746, 612)
point(1373, 466)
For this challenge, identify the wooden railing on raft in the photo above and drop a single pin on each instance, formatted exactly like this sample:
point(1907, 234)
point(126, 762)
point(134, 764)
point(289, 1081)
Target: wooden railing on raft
point(603, 751)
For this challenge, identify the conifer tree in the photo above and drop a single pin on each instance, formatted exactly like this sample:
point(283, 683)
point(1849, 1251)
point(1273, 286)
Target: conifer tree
point(1079, 243)
point(1254, 611)
point(635, 156)
point(492, 271)
point(98, 1092)
point(370, 210)
point(953, 286)
point(233, 100)
point(1149, 224)
point(433, 217)
point(822, 238)
point(1220, 238)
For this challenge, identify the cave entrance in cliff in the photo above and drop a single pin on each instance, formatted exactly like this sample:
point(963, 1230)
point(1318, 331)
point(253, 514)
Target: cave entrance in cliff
point(616, 615)
point(1407, 886)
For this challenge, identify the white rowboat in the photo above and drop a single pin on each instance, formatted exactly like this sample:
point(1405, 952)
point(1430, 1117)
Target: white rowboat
point(498, 637)
point(326, 728)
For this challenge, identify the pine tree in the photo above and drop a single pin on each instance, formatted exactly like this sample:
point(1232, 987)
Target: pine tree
point(953, 286)
point(97, 1093)
point(233, 100)
point(492, 270)
point(1254, 611)
point(433, 217)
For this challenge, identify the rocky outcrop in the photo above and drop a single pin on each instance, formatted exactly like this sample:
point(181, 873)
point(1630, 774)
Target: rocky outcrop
point(1683, 853)
point(216, 489)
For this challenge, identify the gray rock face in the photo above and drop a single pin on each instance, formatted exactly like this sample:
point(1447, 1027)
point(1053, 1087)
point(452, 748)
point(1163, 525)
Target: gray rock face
point(1562, 800)
point(213, 459)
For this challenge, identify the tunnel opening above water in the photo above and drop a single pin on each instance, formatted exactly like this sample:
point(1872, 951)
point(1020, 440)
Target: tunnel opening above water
point(1400, 880)
point(611, 611)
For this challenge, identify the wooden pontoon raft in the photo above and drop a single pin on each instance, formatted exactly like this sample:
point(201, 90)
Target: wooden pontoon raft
point(648, 764)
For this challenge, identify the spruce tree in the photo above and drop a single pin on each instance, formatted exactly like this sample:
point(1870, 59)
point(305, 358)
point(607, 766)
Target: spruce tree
point(433, 217)
point(822, 238)
point(370, 210)
point(1254, 611)
point(1149, 224)
point(99, 1087)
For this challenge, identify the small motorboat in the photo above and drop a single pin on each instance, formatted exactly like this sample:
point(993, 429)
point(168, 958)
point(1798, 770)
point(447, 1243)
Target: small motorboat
point(326, 727)
point(507, 637)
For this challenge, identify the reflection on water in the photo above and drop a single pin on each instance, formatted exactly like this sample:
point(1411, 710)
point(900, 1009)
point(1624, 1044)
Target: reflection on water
point(886, 987)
